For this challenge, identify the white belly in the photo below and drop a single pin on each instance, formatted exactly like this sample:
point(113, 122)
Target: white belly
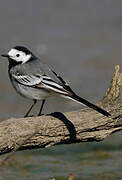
point(31, 92)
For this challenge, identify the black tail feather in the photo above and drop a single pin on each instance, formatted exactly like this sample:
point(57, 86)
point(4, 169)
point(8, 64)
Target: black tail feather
point(90, 105)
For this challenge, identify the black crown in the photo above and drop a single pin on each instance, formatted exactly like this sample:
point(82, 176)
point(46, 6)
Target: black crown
point(23, 49)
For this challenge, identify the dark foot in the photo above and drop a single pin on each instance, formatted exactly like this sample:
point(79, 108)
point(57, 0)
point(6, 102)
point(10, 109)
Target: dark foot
point(29, 116)
point(41, 114)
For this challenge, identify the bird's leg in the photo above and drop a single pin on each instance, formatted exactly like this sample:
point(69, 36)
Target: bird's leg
point(34, 102)
point(43, 101)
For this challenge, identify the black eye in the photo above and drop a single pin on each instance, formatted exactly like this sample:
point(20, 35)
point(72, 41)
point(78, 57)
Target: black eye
point(17, 55)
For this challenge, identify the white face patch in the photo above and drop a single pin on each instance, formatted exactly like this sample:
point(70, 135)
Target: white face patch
point(19, 56)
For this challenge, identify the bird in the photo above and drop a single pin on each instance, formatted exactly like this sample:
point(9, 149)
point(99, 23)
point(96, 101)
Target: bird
point(35, 80)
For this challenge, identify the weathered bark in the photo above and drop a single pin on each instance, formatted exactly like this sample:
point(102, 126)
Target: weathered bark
point(64, 128)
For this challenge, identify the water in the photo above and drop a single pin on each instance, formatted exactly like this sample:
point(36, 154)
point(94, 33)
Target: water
point(86, 161)
point(82, 40)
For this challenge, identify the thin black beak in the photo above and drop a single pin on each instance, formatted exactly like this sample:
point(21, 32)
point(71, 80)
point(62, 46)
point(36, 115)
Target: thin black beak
point(5, 55)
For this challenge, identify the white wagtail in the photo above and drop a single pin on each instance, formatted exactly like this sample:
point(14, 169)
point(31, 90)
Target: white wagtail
point(33, 79)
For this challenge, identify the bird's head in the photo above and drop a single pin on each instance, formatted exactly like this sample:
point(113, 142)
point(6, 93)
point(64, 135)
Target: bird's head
point(19, 54)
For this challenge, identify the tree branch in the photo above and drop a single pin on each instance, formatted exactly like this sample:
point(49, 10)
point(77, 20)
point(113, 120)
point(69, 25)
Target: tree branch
point(64, 128)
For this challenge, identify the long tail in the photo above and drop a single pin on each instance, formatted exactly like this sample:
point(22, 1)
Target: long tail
point(80, 100)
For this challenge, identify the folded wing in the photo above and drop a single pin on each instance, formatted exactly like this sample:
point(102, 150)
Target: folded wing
point(41, 81)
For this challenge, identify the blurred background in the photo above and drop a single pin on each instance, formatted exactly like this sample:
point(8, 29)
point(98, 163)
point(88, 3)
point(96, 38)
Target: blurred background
point(82, 41)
